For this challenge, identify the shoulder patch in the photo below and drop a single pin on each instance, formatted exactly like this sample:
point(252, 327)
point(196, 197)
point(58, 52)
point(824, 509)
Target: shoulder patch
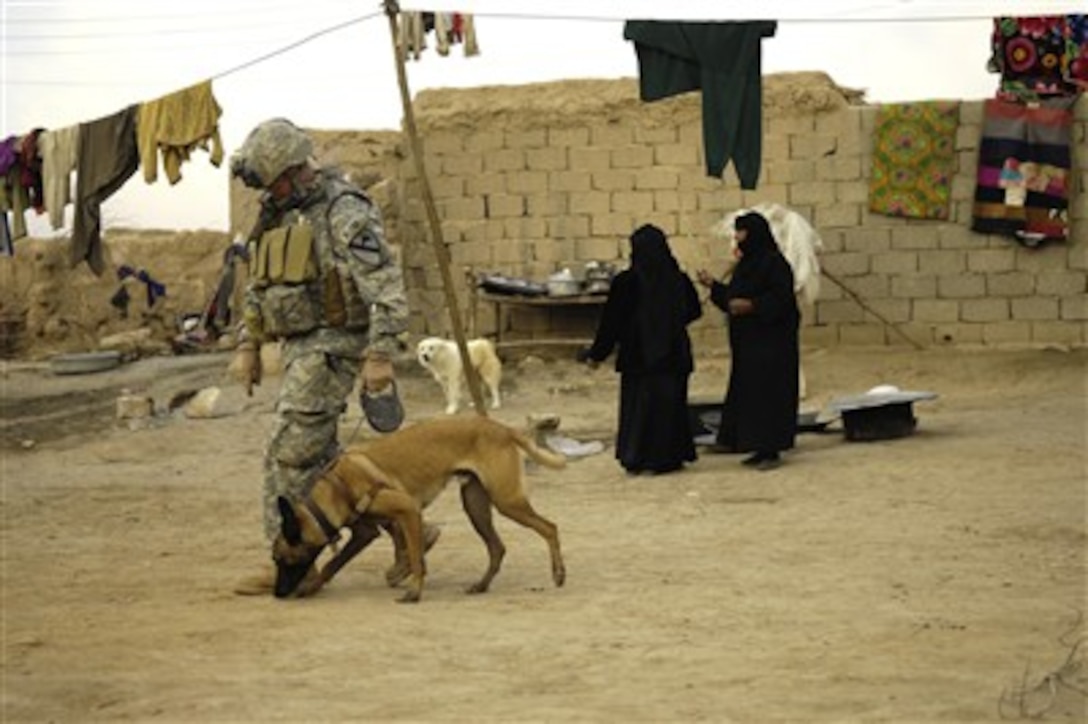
point(367, 248)
point(365, 242)
point(348, 216)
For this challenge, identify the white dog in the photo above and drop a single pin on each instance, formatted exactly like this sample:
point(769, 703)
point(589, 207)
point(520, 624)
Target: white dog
point(443, 360)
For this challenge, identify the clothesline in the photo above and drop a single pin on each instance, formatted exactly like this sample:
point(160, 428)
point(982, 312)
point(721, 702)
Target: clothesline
point(724, 10)
point(36, 167)
point(118, 135)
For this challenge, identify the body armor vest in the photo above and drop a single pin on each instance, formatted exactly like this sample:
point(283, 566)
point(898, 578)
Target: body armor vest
point(298, 280)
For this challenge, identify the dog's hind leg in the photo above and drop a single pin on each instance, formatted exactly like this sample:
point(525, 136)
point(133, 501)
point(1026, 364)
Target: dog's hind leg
point(477, 505)
point(520, 511)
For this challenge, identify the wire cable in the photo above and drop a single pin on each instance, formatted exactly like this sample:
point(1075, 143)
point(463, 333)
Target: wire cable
point(509, 16)
point(158, 32)
point(298, 43)
point(220, 12)
point(242, 66)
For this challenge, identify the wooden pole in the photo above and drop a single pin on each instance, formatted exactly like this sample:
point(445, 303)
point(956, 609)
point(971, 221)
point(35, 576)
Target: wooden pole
point(440, 250)
point(861, 302)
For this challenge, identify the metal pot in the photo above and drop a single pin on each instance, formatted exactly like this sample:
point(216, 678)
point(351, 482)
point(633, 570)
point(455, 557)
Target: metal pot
point(599, 277)
point(598, 286)
point(564, 287)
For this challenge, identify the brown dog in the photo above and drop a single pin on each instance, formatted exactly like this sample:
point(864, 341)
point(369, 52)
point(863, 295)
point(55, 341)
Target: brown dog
point(393, 479)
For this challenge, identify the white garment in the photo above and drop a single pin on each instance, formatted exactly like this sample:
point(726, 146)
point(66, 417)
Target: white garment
point(59, 150)
point(796, 238)
point(412, 37)
point(468, 27)
point(443, 26)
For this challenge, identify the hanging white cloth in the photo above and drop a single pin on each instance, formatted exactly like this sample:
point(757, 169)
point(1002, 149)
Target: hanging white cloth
point(59, 150)
point(412, 38)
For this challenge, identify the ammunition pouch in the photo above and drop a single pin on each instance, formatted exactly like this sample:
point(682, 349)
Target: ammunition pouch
point(284, 271)
point(336, 312)
point(283, 255)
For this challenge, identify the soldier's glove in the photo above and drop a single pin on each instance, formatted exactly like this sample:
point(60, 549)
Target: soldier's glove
point(246, 365)
point(377, 372)
point(378, 393)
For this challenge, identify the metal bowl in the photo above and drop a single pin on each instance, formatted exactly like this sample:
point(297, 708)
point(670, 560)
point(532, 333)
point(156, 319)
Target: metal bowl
point(82, 363)
point(564, 287)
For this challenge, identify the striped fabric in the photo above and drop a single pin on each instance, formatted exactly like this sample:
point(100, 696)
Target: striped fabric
point(1023, 171)
point(914, 159)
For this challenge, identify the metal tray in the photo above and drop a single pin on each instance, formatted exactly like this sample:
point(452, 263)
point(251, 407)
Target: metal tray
point(498, 284)
point(81, 363)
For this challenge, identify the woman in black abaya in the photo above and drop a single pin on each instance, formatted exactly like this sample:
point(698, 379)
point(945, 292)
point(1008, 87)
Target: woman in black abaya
point(645, 319)
point(759, 414)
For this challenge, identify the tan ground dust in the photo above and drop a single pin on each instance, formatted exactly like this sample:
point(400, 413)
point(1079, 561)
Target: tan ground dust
point(917, 579)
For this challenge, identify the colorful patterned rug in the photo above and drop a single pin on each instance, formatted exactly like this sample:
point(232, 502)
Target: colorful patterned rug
point(1040, 57)
point(1023, 171)
point(914, 159)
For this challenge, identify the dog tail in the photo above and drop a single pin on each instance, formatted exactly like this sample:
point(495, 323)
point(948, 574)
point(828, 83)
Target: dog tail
point(547, 458)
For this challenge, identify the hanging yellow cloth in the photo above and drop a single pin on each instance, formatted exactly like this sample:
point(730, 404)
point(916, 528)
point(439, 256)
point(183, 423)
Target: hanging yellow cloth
point(174, 125)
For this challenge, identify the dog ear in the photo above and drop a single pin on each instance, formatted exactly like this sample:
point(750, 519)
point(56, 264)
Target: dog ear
point(289, 525)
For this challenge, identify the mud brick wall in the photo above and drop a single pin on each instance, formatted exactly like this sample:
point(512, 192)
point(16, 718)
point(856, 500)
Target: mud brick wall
point(533, 179)
point(48, 307)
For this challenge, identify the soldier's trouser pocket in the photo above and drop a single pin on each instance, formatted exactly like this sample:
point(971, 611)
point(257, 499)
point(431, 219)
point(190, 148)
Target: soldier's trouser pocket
point(304, 439)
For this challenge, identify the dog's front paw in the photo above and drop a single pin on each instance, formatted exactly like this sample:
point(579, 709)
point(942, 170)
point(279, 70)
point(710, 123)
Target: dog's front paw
point(451, 409)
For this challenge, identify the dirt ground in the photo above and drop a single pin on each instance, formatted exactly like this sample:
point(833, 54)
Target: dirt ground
point(927, 578)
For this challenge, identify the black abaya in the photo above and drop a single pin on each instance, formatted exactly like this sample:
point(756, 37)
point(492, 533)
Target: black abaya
point(760, 408)
point(645, 321)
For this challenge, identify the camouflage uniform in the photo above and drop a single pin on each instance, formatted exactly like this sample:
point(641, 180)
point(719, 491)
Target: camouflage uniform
point(321, 364)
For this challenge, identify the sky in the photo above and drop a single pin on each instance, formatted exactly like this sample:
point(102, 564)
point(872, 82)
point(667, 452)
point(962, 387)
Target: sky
point(329, 64)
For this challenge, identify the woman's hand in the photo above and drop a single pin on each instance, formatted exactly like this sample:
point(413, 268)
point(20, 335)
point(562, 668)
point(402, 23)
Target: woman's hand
point(739, 306)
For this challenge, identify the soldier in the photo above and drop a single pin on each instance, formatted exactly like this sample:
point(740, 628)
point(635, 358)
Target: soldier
point(323, 281)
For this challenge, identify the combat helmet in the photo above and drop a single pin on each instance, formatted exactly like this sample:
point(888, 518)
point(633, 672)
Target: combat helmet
point(270, 149)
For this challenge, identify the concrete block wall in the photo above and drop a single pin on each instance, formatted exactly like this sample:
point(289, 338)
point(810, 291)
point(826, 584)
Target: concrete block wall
point(529, 193)
point(939, 282)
